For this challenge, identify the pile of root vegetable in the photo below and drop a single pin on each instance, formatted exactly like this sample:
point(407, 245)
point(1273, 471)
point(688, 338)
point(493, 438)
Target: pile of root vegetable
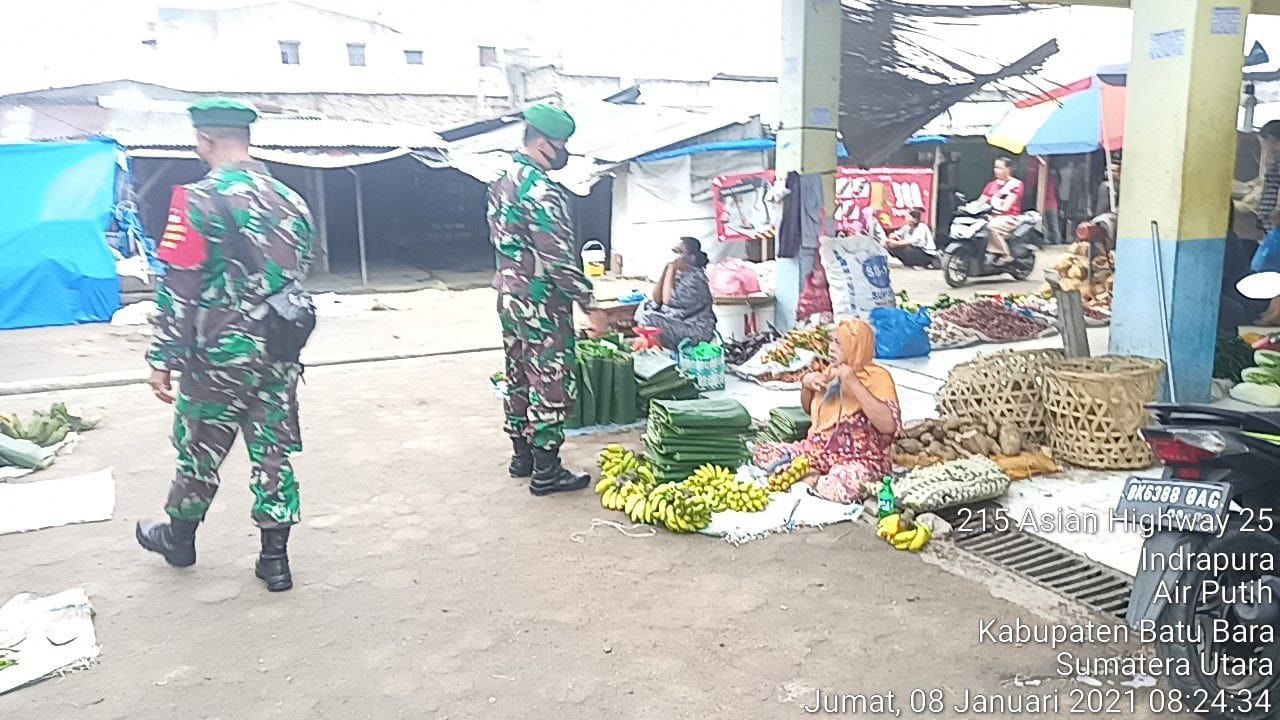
point(1093, 276)
point(952, 438)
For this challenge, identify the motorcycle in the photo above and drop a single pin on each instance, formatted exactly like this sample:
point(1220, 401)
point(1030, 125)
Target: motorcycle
point(1212, 609)
point(966, 253)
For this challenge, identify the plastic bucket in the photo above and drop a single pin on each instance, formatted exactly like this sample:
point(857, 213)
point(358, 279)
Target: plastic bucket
point(593, 258)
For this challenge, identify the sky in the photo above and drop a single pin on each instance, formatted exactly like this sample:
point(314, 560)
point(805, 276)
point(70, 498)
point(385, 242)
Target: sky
point(44, 42)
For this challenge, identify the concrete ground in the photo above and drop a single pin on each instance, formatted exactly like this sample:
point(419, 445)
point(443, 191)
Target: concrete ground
point(430, 585)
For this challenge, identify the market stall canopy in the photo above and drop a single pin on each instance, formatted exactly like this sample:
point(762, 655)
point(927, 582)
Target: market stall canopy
point(1082, 117)
point(609, 134)
point(301, 140)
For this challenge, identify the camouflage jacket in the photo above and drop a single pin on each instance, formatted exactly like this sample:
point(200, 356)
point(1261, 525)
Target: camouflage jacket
point(211, 300)
point(530, 230)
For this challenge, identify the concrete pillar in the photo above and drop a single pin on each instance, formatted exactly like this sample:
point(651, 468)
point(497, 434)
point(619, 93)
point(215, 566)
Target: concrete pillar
point(1184, 88)
point(809, 111)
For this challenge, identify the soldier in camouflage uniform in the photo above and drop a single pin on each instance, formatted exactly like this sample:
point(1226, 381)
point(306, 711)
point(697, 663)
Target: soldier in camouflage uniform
point(538, 280)
point(234, 238)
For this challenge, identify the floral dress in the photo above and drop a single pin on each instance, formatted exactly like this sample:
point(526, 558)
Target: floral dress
point(690, 314)
point(847, 456)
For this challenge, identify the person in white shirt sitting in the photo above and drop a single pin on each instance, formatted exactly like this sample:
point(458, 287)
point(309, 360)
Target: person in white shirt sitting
point(913, 242)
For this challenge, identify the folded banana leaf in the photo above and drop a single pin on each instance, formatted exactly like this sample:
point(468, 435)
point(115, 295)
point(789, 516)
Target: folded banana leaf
point(592, 383)
point(623, 407)
point(24, 454)
point(665, 444)
point(654, 367)
point(574, 420)
point(604, 394)
point(721, 413)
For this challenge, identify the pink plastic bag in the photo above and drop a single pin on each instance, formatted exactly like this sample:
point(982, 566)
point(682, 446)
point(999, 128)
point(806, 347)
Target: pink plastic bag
point(732, 278)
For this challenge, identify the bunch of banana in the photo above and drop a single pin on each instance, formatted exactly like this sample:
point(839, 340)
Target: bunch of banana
point(708, 477)
point(687, 513)
point(621, 495)
point(616, 460)
point(793, 472)
point(816, 338)
point(903, 534)
point(658, 504)
point(784, 353)
point(747, 497)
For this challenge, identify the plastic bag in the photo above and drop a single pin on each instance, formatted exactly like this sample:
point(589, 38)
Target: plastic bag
point(857, 270)
point(900, 334)
point(705, 363)
point(1267, 257)
point(815, 299)
point(732, 277)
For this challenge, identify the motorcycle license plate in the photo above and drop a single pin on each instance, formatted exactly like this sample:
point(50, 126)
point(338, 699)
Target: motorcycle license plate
point(1182, 505)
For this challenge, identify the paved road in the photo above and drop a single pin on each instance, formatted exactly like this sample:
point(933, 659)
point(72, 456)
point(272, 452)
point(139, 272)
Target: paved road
point(429, 585)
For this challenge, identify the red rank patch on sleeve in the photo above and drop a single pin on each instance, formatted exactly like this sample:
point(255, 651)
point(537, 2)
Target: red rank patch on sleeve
point(181, 246)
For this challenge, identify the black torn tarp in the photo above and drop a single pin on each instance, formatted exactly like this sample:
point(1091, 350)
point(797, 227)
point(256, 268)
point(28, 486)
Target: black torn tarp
point(895, 75)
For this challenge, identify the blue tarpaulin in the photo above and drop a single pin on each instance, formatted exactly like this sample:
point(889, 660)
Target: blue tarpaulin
point(56, 200)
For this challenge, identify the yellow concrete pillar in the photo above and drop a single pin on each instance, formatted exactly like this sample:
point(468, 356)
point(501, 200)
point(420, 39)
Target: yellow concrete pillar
point(1184, 87)
point(808, 114)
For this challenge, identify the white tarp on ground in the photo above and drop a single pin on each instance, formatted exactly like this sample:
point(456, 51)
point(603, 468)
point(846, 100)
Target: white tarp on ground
point(44, 635)
point(40, 504)
point(798, 507)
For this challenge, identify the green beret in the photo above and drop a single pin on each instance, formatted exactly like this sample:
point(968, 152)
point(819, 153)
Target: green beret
point(223, 113)
point(550, 121)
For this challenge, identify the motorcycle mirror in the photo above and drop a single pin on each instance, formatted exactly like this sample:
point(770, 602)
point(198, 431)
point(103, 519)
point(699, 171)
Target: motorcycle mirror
point(1260, 286)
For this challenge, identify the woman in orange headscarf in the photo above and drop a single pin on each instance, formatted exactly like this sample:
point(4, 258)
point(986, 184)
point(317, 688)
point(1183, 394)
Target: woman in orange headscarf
point(854, 406)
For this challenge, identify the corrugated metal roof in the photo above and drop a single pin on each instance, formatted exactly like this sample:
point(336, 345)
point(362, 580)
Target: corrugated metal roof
point(612, 132)
point(134, 128)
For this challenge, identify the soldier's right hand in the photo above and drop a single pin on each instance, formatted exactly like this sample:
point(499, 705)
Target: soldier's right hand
point(162, 385)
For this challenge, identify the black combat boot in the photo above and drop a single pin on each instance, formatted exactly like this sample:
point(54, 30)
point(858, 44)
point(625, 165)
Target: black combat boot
point(521, 458)
point(549, 476)
point(176, 540)
point(273, 560)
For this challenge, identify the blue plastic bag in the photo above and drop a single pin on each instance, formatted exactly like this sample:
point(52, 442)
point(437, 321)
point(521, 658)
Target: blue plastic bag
point(900, 334)
point(1267, 258)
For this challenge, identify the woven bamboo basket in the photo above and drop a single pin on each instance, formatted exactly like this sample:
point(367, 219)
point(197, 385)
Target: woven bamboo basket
point(1096, 406)
point(1005, 387)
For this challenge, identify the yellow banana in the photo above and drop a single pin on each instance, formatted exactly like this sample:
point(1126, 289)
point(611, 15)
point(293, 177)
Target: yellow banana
point(923, 535)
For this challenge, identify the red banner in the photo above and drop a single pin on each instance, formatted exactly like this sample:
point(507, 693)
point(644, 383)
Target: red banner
point(742, 213)
point(890, 192)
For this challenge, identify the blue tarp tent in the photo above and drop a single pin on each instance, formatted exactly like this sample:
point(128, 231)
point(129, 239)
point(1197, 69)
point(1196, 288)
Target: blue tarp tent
point(55, 205)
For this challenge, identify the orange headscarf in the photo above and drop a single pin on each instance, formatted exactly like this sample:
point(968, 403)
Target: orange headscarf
point(858, 346)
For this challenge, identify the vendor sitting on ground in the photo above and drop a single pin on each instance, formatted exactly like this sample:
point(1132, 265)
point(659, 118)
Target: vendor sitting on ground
point(854, 406)
point(913, 242)
point(682, 306)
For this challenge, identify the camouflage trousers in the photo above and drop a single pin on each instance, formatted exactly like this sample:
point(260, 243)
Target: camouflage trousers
point(212, 407)
point(538, 341)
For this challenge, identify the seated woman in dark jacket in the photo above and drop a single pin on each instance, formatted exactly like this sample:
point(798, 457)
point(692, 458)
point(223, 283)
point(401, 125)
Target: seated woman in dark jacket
point(682, 306)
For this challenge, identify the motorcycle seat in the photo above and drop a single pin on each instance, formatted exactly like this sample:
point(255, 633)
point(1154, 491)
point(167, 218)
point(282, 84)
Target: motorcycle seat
point(1256, 421)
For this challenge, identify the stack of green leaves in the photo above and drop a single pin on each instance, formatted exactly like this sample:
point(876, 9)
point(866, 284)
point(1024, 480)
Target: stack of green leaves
point(658, 378)
point(606, 380)
point(684, 434)
point(786, 424)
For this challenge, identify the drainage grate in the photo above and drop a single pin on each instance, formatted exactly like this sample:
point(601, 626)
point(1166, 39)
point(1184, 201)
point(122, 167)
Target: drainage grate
point(1043, 562)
